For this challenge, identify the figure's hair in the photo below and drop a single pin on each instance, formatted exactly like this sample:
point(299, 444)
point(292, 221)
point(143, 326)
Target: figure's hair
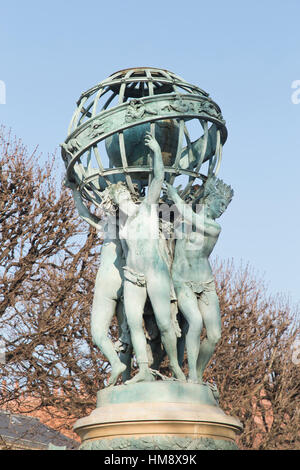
point(107, 196)
point(216, 188)
point(212, 188)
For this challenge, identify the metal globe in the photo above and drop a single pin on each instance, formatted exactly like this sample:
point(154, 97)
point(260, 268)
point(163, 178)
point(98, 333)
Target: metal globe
point(105, 141)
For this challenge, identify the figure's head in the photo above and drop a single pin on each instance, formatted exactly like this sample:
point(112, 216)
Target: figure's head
point(217, 196)
point(114, 195)
point(119, 193)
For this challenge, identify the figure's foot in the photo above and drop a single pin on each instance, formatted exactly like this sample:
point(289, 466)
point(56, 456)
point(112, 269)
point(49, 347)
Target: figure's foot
point(144, 375)
point(193, 380)
point(116, 371)
point(178, 373)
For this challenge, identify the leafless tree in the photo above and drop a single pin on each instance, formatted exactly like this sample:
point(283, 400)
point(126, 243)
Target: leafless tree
point(48, 260)
point(253, 365)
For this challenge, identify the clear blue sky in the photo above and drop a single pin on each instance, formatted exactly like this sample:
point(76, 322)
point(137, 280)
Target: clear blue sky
point(245, 54)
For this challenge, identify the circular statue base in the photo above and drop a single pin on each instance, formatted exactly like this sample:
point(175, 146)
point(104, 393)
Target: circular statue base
point(158, 415)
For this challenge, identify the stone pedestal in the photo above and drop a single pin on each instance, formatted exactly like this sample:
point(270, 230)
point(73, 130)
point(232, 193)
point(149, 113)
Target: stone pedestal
point(158, 415)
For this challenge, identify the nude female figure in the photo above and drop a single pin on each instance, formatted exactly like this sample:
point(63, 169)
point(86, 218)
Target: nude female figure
point(108, 289)
point(146, 272)
point(192, 274)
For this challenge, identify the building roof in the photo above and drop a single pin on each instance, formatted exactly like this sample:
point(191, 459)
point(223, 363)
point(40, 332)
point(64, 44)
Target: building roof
point(25, 432)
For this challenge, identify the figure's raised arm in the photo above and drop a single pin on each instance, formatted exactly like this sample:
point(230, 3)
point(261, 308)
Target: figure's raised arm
point(158, 169)
point(189, 216)
point(184, 209)
point(82, 209)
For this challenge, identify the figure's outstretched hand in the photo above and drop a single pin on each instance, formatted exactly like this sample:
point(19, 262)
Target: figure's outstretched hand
point(151, 142)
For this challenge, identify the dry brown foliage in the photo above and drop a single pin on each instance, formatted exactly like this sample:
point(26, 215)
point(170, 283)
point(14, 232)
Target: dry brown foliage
point(48, 265)
point(48, 260)
point(253, 364)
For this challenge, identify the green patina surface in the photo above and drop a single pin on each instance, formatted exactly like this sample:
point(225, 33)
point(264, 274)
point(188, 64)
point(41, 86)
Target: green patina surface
point(160, 443)
point(157, 392)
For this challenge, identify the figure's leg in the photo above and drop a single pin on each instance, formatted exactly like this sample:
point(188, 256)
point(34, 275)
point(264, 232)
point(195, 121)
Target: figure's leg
point(188, 305)
point(124, 336)
point(159, 294)
point(134, 301)
point(103, 310)
point(212, 321)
